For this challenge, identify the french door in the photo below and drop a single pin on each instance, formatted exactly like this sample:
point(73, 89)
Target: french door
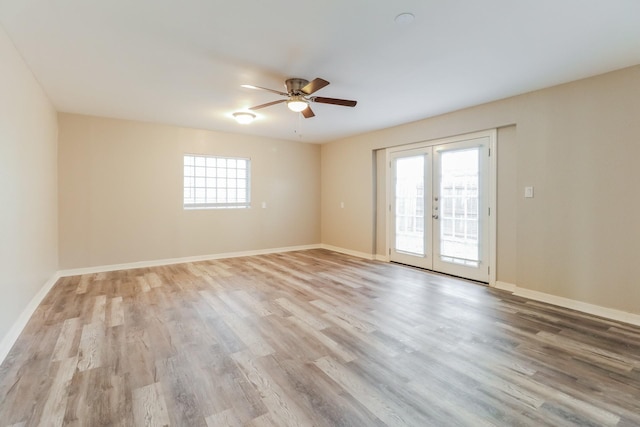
point(440, 206)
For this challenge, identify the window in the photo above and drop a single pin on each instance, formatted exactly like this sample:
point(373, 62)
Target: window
point(216, 182)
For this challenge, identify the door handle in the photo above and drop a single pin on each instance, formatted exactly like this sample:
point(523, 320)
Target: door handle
point(434, 216)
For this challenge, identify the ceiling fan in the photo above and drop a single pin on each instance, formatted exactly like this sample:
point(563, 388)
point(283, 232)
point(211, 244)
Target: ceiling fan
point(298, 96)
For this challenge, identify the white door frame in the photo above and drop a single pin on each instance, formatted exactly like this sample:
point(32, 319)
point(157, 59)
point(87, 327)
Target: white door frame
point(493, 187)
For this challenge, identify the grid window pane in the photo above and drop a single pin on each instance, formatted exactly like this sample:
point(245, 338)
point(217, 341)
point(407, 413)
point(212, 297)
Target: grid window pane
point(216, 182)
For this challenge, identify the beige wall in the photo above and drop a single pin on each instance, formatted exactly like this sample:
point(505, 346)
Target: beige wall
point(28, 187)
point(507, 203)
point(121, 193)
point(351, 226)
point(577, 144)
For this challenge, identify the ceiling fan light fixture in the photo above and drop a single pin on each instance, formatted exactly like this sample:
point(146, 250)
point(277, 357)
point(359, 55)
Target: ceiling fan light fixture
point(297, 103)
point(243, 117)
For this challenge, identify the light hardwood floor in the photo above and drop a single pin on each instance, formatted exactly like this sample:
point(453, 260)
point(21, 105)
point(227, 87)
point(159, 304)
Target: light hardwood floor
point(312, 338)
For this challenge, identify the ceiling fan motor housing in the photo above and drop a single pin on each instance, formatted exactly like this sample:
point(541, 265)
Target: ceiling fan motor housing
point(294, 86)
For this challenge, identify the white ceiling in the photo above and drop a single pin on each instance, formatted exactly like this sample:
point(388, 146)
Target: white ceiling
point(182, 62)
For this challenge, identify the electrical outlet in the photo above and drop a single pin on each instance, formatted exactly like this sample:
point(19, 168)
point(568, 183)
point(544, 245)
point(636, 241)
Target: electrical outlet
point(528, 192)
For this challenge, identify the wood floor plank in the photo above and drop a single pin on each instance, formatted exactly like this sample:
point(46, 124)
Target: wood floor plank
point(149, 407)
point(282, 407)
point(99, 309)
point(227, 417)
point(342, 313)
point(303, 314)
point(98, 397)
point(179, 387)
point(318, 394)
point(257, 307)
point(55, 404)
point(253, 341)
point(312, 338)
point(143, 284)
point(116, 313)
point(67, 340)
point(91, 349)
point(85, 280)
point(339, 350)
point(366, 394)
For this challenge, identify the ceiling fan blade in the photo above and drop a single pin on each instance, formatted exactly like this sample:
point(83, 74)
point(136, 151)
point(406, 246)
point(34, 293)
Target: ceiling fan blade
point(264, 88)
point(307, 113)
point(315, 85)
point(268, 104)
point(334, 101)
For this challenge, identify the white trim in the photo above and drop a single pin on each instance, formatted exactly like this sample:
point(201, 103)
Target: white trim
point(384, 258)
point(584, 307)
point(170, 261)
point(609, 313)
point(387, 205)
point(509, 287)
point(364, 255)
point(493, 205)
point(491, 132)
point(18, 326)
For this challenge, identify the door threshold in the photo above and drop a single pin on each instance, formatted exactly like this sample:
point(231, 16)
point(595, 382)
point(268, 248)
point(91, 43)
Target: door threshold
point(439, 273)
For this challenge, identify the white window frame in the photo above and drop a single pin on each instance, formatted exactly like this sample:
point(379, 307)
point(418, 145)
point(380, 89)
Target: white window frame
point(215, 182)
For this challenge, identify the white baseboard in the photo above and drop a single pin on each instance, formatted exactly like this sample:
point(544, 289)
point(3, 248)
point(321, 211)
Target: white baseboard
point(348, 252)
point(505, 286)
point(18, 326)
point(384, 258)
point(170, 261)
point(596, 310)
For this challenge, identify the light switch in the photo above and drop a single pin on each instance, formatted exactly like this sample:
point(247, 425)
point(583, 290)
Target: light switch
point(528, 192)
point(264, 205)
point(342, 205)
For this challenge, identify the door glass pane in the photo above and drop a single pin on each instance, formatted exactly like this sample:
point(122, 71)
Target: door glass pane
point(459, 215)
point(409, 193)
